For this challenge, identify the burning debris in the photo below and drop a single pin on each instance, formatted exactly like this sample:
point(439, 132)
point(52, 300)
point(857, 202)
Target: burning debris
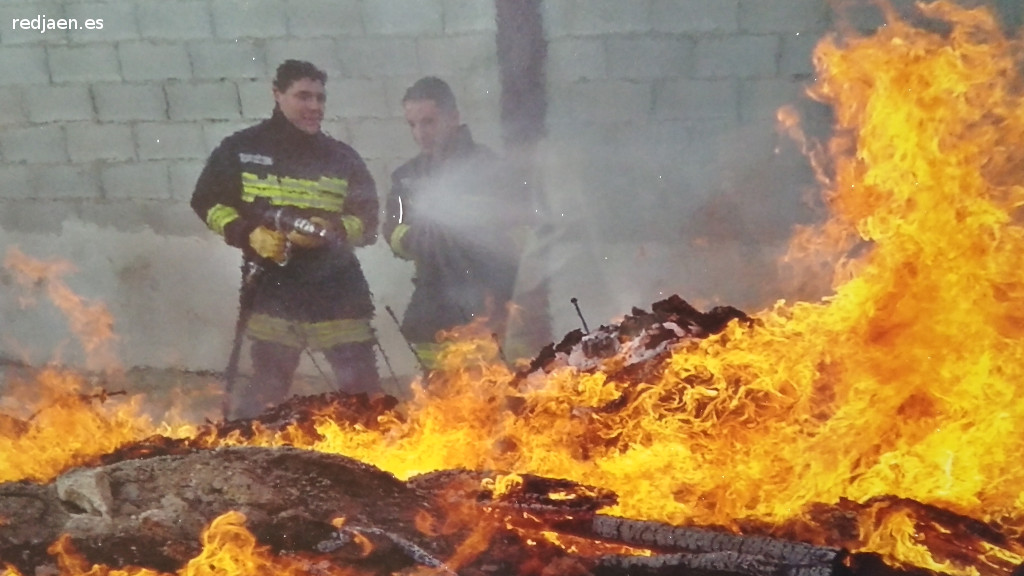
point(332, 510)
point(872, 432)
point(157, 503)
point(640, 338)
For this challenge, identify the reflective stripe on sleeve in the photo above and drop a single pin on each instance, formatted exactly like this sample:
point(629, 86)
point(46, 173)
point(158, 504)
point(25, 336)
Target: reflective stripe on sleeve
point(396, 241)
point(220, 216)
point(353, 229)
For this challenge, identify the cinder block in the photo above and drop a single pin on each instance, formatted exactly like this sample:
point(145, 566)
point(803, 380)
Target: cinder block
point(13, 110)
point(118, 21)
point(249, 18)
point(395, 89)
point(571, 59)
point(59, 103)
point(182, 20)
point(214, 132)
point(119, 102)
point(159, 216)
point(600, 100)
point(166, 141)
point(220, 60)
point(759, 17)
point(572, 17)
point(377, 57)
point(381, 138)
point(337, 129)
point(634, 58)
point(761, 99)
point(320, 51)
point(28, 215)
point(23, 65)
point(35, 33)
point(88, 141)
point(471, 53)
point(796, 58)
point(141, 61)
point(312, 18)
point(183, 178)
point(695, 16)
point(479, 97)
point(205, 101)
point(17, 184)
point(84, 63)
point(403, 17)
point(462, 16)
point(33, 144)
point(136, 181)
point(257, 100)
point(352, 98)
point(697, 100)
point(740, 56)
point(65, 181)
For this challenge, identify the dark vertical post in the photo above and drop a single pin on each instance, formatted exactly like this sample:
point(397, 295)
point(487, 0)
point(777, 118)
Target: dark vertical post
point(522, 52)
point(522, 55)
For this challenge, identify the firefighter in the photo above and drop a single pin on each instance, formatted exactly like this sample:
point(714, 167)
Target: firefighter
point(456, 212)
point(308, 293)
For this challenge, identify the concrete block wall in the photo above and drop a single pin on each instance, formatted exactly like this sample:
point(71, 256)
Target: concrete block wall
point(103, 133)
point(161, 83)
point(660, 114)
point(662, 163)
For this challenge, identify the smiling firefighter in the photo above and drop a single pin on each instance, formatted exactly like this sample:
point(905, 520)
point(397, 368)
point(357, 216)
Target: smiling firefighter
point(296, 202)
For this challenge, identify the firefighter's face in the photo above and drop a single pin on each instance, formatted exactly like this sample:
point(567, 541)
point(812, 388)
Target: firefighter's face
point(302, 104)
point(431, 126)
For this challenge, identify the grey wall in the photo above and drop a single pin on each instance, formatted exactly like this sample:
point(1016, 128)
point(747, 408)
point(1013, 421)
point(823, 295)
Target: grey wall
point(662, 164)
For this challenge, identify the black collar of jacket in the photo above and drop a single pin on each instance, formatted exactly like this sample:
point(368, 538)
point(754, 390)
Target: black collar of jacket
point(288, 132)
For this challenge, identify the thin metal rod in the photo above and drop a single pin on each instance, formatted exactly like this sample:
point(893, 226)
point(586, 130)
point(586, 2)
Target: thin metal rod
point(576, 303)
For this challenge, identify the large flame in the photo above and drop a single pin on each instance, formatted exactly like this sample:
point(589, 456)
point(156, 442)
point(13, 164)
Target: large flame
point(907, 381)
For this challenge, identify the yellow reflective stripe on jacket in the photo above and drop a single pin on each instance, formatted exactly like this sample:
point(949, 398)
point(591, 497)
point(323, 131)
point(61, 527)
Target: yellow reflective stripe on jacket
point(220, 216)
point(323, 194)
point(428, 353)
point(315, 335)
point(353, 228)
point(396, 241)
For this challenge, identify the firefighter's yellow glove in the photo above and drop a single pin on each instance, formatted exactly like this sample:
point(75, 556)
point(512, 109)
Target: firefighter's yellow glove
point(303, 241)
point(268, 243)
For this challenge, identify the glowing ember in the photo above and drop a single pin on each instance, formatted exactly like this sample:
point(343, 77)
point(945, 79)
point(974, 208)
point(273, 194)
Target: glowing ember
point(906, 382)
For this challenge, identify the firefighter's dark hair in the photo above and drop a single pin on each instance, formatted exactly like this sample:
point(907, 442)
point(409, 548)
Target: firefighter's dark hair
point(432, 88)
point(291, 70)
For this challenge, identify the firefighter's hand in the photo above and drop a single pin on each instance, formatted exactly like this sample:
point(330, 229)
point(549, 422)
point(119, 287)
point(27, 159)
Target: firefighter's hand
point(303, 241)
point(268, 243)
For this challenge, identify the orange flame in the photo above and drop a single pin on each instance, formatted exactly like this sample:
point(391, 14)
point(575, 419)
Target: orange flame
point(91, 323)
point(906, 381)
point(229, 549)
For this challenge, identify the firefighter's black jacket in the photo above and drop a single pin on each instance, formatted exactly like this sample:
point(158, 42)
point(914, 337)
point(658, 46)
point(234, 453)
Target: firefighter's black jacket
point(459, 219)
point(276, 164)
